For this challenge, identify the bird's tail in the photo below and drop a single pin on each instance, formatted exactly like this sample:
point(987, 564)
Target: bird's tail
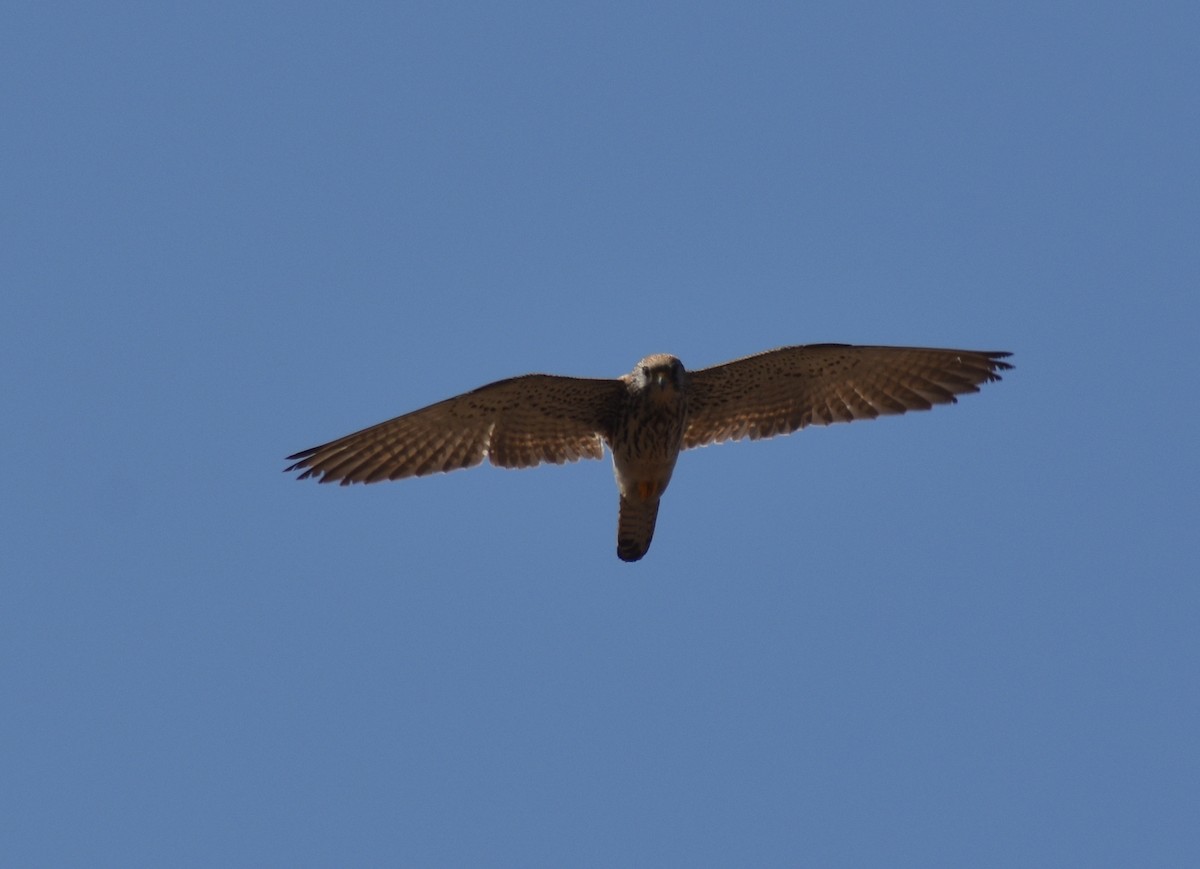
point(635, 527)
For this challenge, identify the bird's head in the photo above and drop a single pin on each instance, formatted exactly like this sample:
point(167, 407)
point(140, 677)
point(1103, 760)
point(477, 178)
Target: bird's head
point(660, 374)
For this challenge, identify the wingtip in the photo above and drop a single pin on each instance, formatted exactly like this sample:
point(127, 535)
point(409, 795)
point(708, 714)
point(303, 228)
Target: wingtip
point(998, 364)
point(300, 462)
point(302, 467)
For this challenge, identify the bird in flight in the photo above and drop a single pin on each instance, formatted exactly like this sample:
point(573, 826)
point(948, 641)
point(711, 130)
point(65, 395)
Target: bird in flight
point(647, 417)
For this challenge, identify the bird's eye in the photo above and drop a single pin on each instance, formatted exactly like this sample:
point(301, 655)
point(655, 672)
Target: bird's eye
point(645, 371)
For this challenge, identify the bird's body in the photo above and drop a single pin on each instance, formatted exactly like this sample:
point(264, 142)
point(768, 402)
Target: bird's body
point(647, 417)
point(649, 438)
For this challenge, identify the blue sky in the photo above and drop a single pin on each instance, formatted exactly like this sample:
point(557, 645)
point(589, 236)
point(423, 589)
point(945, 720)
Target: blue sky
point(966, 637)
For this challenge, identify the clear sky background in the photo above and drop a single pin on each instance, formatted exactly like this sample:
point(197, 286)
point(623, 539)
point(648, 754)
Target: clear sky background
point(235, 230)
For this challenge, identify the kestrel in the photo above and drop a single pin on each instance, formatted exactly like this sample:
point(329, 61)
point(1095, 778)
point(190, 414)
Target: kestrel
point(647, 417)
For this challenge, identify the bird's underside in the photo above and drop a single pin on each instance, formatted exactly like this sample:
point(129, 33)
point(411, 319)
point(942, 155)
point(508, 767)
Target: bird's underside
point(648, 416)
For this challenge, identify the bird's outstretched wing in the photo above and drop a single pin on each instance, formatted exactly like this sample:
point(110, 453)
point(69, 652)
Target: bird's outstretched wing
point(783, 390)
point(516, 423)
